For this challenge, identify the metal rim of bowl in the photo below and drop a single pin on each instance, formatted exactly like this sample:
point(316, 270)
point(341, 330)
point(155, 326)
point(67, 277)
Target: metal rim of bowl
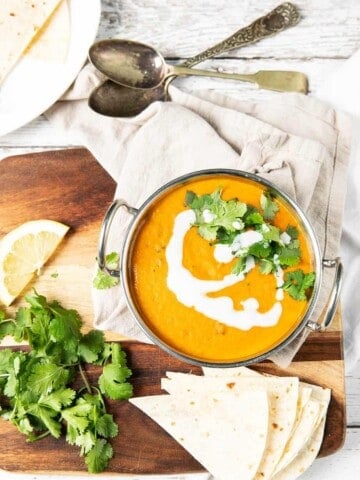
point(126, 254)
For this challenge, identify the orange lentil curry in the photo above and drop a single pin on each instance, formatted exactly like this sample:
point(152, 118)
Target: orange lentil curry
point(185, 329)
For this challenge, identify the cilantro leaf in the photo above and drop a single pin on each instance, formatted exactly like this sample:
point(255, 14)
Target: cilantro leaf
point(260, 250)
point(37, 330)
point(225, 237)
point(268, 206)
point(97, 458)
point(85, 441)
point(253, 216)
point(112, 260)
point(37, 302)
point(297, 283)
point(77, 416)
point(65, 325)
point(106, 426)
point(11, 385)
point(22, 322)
point(47, 377)
point(58, 399)
point(292, 232)
point(103, 280)
point(208, 232)
point(112, 382)
point(266, 266)
point(239, 266)
point(6, 356)
point(271, 233)
point(289, 257)
point(91, 346)
point(118, 356)
point(25, 426)
point(46, 415)
point(7, 327)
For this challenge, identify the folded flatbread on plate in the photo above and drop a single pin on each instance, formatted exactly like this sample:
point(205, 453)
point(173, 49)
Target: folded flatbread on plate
point(201, 412)
point(283, 395)
point(307, 415)
point(225, 432)
point(52, 43)
point(21, 21)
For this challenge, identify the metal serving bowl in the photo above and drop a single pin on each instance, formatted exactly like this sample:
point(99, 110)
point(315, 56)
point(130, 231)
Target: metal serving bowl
point(139, 215)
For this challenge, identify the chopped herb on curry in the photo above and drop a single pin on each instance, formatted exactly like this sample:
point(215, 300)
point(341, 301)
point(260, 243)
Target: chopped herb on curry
point(225, 222)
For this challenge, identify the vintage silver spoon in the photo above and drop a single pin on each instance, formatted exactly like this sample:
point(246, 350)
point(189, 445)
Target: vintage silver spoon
point(116, 100)
point(136, 65)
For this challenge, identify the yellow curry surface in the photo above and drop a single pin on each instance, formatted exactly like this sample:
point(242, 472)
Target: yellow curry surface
point(183, 328)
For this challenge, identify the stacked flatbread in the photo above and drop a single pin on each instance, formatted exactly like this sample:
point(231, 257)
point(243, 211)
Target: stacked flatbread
point(241, 425)
point(39, 28)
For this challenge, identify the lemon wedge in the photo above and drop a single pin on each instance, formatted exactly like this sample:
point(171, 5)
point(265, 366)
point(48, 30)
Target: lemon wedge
point(23, 252)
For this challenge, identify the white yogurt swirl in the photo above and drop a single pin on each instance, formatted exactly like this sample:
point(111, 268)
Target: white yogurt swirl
point(192, 291)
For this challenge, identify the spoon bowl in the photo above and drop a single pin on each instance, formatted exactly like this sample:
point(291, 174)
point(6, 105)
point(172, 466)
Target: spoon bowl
point(114, 100)
point(128, 63)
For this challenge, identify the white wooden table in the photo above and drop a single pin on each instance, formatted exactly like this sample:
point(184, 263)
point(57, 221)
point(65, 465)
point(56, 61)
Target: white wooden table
point(328, 33)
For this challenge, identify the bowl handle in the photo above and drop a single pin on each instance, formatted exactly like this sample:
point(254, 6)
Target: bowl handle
point(333, 298)
point(104, 233)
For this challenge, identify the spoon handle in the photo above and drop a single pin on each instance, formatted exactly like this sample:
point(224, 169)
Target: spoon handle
point(279, 80)
point(284, 16)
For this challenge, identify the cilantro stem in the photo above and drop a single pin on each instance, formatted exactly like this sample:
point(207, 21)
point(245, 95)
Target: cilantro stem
point(100, 397)
point(39, 437)
point(3, 375)
point(85, 380)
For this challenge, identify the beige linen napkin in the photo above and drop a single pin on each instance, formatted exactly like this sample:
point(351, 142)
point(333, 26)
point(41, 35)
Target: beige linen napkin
point(298, 143)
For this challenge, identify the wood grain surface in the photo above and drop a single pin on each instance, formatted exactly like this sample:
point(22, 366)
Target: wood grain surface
point(68, 186)
point(71, 187)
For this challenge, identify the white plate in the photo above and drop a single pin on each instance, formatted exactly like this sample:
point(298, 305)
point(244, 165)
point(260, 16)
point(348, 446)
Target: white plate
point(34, 85)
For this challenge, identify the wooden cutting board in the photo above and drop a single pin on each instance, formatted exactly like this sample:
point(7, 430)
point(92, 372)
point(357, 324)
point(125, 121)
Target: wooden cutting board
point(71, 187)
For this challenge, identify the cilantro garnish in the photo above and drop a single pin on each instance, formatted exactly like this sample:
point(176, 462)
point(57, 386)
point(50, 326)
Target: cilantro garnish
point(268, 205)
point(266, 266)
point(36, 385)
point(297, 284)
point(213, 214)
point(292, 232)
point(103, 280)
point(223, 221)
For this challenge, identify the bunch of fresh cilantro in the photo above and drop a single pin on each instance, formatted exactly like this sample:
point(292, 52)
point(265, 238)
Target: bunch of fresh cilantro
point(221, 221)
point(37, 385)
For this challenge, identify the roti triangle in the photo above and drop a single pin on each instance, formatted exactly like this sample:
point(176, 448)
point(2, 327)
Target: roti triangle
point(226, 433)
point(301, 434)
point(283, 397)
point(305, 457)
point(52, 43)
